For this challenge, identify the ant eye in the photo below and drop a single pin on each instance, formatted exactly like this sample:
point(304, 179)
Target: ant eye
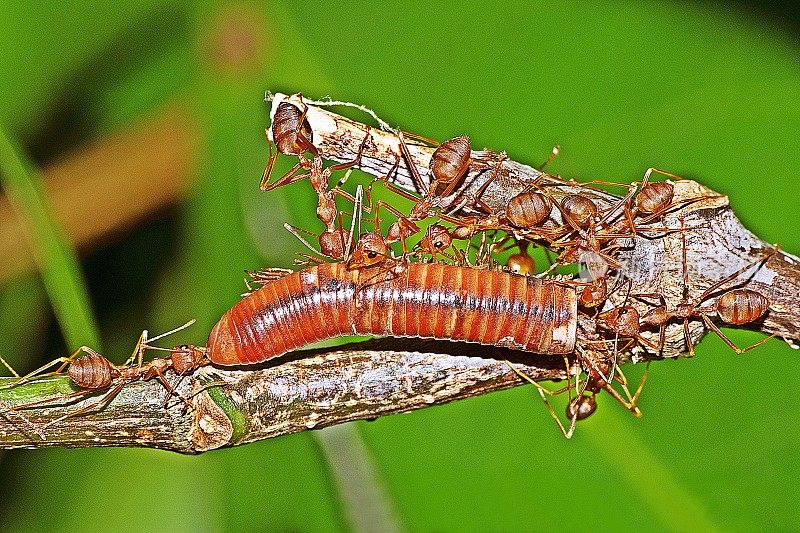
point(183, 347)
point(372, 255)
point(439, 244)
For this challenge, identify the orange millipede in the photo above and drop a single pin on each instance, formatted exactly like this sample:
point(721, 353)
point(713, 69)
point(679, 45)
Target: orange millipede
point(439, 301)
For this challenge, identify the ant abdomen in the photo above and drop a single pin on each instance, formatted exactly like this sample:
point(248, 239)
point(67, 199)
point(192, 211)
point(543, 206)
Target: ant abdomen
point(528, 209)
point(581, 407)
point(285, 128)
point(741, 306)
point(92, 372)
point(451, 160)
point(580, 209)
point(654, 197)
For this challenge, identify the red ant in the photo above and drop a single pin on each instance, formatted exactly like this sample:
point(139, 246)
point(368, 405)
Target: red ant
point(94, 373)
point(597, 367)
point(736, 306)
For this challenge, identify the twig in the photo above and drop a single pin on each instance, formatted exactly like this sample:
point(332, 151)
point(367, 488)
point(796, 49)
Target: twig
point(314, 390)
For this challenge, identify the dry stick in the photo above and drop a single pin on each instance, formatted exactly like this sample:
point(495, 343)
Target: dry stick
point(367, 380)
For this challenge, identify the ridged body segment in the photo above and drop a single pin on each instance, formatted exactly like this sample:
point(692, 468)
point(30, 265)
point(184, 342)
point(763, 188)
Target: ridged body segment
point(285, 129)
point(92, 372)
point(451, 159)
point(741, 306)
point(423, 300)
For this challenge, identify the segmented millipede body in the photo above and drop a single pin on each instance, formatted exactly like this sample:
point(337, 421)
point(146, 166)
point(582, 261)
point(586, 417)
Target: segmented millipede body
point(741, 306)
point(422, 300)
point(92, 372)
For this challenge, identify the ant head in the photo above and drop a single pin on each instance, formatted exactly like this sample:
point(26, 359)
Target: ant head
point(186, 358)
point(371, 249)
point(623, 320)
point(436, 239)
point(594, 293)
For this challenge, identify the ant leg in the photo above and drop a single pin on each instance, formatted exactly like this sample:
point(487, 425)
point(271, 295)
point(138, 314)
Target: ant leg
point(553, 154)
point(543, 391)
point(650, 170)
point(66, 399)
point(632, 400)
point(138, 350)
point(713, 327)
point(270, 163)
point(8, 409)
point(10, 368)
point(267, 275)
point(736, 274)
point(412, 167)
point(630, 406)
point(98, 405)
point(421, 138)
point(475, 198)
point(357, 159)
point(287, 179)
point(170, 389)
point(40, 371)
point(687, 338)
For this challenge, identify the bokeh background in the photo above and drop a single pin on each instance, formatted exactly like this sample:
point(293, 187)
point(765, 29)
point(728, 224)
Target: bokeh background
point(146, 120)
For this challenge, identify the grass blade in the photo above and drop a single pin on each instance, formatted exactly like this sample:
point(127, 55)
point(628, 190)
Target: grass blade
point(57, 261)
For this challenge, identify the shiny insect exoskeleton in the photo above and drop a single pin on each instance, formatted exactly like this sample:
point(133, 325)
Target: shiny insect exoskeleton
point(292, 135)
point(94, 373)
point(735, 307)
point(528, 209)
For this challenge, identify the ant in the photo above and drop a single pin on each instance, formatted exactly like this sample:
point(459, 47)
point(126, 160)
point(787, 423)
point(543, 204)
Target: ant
point(597, 366)
point(292, 134)
point(736, 306)
point(94, 373)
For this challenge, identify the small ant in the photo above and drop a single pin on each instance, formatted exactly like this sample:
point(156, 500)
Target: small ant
point(735, 306)
point(94, 373)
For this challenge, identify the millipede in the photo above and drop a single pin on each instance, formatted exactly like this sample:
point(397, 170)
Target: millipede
point(425, 300)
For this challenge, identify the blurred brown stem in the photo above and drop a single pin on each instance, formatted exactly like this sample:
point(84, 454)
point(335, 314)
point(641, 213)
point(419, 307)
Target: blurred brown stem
point(104, 188)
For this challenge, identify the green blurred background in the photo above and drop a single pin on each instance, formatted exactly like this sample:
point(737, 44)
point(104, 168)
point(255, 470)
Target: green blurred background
point(165, 99)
